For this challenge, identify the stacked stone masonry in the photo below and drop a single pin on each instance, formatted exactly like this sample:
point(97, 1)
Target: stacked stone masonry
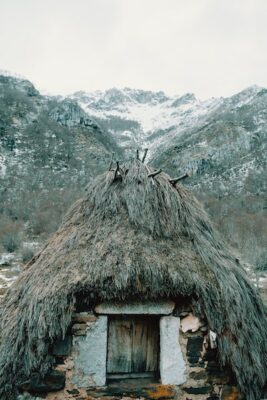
point(78, 372)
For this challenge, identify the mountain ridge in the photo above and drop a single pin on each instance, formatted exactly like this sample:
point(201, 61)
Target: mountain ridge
point(172, 115)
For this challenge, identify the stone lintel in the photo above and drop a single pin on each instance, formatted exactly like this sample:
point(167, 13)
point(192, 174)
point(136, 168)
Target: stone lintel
point(160, 307)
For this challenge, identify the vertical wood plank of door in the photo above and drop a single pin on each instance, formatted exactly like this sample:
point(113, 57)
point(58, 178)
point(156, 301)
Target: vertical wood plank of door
point(139, 345)
point(152, 354)
point(145, 344)
point(119, 358)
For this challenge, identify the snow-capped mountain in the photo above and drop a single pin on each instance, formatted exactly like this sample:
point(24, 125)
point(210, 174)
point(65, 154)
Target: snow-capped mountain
point(140, 119)
point(212, 132)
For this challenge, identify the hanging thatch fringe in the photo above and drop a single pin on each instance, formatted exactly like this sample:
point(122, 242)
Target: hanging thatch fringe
point(129, 240)
point(144, 156)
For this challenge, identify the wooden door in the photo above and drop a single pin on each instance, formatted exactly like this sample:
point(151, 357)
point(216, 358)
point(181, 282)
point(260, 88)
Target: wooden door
point(133, 345)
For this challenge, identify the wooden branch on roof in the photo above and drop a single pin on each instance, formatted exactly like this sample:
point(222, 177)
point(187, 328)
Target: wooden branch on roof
point(144, 156)
point(111, 161)
point(175, 180)
point(153, 174)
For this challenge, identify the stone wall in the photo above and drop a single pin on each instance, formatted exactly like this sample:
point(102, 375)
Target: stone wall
point(89, 351)
point(81, 359)
point(206, 380)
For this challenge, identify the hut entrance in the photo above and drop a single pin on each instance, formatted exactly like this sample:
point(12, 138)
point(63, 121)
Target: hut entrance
point(133, 347)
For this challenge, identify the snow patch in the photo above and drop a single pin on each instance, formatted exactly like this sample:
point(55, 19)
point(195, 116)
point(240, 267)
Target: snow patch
point(2, 165)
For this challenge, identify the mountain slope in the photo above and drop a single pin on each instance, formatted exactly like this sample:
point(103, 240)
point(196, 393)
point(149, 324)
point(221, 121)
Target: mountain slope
point(228, 146)
point(137, 118)
point(49, 151)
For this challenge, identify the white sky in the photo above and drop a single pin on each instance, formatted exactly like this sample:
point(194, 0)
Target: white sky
point(209, 47)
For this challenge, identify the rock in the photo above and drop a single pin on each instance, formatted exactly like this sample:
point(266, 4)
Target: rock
point(5, 264)
point(193, 361)
point(79, 329)
point(83, 317)
point(213, 339)
point(194, 346)
point(52, 382)
point(81, 332)
point(198, 375)
point(27, 396)
point(62, 348)
point(152, 391)
point(230, 393)
point(2, 291)
point(204, 328)
point(183, 314)
point(73, 391)
point(198, 390)
point(190, 323)
point(6, 260)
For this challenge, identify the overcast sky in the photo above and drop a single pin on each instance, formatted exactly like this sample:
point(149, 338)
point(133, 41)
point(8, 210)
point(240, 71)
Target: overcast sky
point(209, 47)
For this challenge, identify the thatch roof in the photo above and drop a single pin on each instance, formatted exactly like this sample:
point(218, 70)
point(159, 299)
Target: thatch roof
point(133, 236)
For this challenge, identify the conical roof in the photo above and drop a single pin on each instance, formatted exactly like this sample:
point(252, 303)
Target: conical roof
point(133, 234)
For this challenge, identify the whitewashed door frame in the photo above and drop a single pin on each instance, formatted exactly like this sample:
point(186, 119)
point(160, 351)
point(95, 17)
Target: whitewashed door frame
point(91, 351)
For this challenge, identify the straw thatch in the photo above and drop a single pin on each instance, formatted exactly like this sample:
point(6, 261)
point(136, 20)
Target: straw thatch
point(133, 236)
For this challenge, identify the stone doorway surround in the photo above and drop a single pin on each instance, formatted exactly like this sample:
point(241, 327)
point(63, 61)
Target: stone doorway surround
point(90, 351)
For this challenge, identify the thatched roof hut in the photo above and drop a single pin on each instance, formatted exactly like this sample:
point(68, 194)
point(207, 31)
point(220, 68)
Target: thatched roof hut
point(135, 236)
